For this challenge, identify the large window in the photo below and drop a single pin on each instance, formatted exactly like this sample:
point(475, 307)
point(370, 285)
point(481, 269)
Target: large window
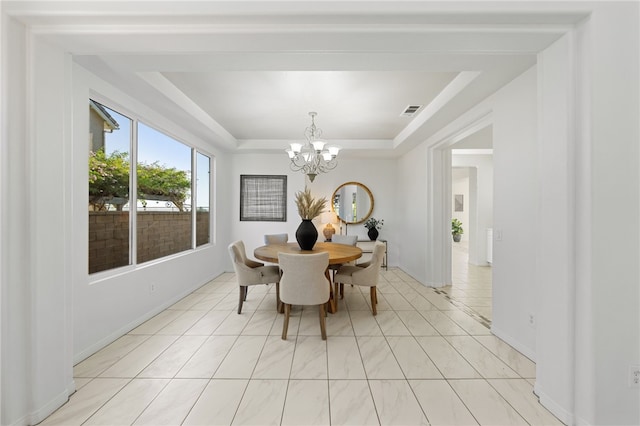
point(166, 175)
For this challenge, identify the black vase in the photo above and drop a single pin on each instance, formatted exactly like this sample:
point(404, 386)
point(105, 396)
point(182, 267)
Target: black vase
point(373, 234)
point(306, 235)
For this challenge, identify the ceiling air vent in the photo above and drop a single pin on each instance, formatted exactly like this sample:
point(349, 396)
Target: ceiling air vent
point(410, 110)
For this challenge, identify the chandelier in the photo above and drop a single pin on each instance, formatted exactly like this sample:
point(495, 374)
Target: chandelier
point(313, 157)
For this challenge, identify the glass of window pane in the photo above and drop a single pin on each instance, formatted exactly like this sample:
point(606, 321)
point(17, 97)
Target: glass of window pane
point(164, 218)
point(203, 220)
point(109, 170)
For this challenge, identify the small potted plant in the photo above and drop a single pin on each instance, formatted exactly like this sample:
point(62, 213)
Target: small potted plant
point(373, 224)
point(456, 230)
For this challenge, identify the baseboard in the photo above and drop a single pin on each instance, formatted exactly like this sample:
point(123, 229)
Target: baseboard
point(45, 411)
point(87, 352)
point(562, 414)
point(513, 343)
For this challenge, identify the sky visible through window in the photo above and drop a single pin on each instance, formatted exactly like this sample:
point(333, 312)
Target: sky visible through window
point(154, 146)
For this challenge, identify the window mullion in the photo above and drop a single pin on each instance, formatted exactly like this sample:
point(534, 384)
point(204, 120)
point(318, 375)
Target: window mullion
point(133, 195)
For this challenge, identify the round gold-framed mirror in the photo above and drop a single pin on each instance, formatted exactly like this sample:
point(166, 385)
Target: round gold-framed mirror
point(352, 202)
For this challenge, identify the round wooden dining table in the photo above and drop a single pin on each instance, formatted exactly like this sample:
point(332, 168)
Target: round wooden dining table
point(338, 254)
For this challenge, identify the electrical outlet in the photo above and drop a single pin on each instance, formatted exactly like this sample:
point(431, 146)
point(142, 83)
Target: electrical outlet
point(498, 234)
point(152, 287)
point(532, 320)
point(634, 376)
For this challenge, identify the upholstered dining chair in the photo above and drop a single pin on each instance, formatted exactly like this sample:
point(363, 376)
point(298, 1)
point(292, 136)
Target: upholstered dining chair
point(303, 282)
point(351, 240)
point(276, 238)
point(249, 272)
point(366, 274)
point(345, 239)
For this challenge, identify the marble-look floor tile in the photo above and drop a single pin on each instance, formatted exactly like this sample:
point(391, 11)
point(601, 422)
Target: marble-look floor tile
point(208, 323)
point(208, 302)
point(514, 359)
point(125, 407)
point(440, 403)
point(187, 302)
point(391, 325)
point(233, 324)
point(519, 394)
point(173, 404)
point(217, 404)
point(310, 358)
point(173, 358)
point(443, 323)
point(379, 362)
point(81, 382)
point(364, 323)
point(413, 361)
point(206, 360)
point(344, 358)
point(276, 359)
point(339, 324)
point(105, 358)
point(450, 363)
point(181, 324)
point(416, 324)
point(352, 403)
point(155, 324)
point(307, 403)
point(85, 402)
point(486, 363)
point(242, 358)
point(262, 403)
point(398, 302)
point(135, 361)
point(396, 403)
point(260, 323)
point(469, 324)
point(486, 405)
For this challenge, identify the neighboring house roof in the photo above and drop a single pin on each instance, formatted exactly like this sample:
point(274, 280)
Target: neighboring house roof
point(110, 124)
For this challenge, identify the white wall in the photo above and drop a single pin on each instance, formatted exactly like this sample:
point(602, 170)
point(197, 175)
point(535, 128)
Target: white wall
point(412, 202)
point(483, 209)
point(608, 321)
point(515, 209)
point(377, 174)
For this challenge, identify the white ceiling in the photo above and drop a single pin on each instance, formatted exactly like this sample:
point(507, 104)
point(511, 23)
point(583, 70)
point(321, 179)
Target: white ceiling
point(244, 75)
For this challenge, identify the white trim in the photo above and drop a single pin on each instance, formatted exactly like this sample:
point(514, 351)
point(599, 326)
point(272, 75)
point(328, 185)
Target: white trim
point(513, 343)
point(50, 407)
point(563, 415)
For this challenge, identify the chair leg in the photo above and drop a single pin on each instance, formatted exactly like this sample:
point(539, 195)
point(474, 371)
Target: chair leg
point(335, 293)
point(279, 304)
point(342, 291)
point(285, 325)
point(323, 329)
point(246, 291)
point(374, 300)
point(242, 298)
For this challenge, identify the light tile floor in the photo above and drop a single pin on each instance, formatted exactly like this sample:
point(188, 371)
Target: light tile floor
point(422, 360)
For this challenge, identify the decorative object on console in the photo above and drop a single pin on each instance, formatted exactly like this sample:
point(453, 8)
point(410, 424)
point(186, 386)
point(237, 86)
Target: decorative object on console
point(329, 218)
point(456, 230)
point(308, 209)
point(312, 158)
point(373, 224)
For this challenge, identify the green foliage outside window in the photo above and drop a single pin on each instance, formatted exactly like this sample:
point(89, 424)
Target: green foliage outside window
point(109, 181)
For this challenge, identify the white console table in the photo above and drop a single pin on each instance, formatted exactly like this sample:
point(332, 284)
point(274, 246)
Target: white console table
point(367, 249)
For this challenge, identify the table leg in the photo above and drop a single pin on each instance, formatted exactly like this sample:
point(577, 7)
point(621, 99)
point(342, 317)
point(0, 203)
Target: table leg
point(332, 306)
